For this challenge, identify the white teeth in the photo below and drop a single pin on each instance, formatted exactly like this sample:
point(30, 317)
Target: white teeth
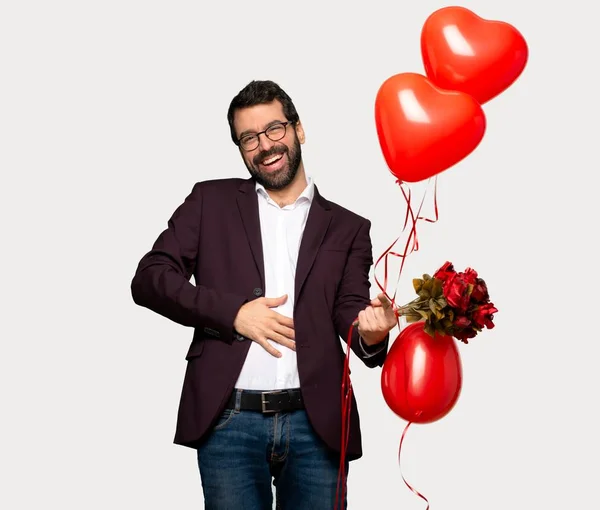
point(272, 159)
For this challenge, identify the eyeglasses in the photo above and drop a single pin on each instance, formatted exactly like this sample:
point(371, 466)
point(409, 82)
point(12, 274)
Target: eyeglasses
point(274, 132)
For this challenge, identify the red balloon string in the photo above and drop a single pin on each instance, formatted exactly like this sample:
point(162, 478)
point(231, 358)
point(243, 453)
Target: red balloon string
point(412, 244)
point(399, 463)
point(346, 407)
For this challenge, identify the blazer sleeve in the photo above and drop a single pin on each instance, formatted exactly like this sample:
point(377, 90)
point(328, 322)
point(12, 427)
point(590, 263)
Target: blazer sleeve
point(162, 279)
point(353, 296)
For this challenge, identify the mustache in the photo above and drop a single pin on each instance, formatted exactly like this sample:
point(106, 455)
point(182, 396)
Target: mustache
point(266, 154)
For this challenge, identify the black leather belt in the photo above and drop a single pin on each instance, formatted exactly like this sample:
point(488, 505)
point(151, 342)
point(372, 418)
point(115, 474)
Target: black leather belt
point(268, 401)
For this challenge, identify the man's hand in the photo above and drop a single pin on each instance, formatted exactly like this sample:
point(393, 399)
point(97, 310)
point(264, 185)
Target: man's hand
point(377, 320)
point(255, 320)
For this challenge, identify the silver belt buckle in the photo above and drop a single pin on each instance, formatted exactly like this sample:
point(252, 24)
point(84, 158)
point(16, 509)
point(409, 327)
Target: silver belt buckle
point(264, 402)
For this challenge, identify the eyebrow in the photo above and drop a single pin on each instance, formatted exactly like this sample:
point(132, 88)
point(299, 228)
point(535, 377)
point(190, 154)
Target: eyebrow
point(250, 131)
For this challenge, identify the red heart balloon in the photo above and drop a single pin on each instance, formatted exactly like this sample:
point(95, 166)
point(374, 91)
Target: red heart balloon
point(462, 51)
point(423, 129)
point(421, 378)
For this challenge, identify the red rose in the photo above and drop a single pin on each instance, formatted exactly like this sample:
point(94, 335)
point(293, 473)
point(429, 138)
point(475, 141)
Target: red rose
point(480, 292)
point(469, 275)
point(465, 299)
point(464, 334)
point(444, 272)
point(456, 292)
point(461, 321)
point(462, 329)
point(484, 315)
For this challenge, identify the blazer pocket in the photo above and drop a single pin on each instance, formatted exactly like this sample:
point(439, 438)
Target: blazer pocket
point(195, 349)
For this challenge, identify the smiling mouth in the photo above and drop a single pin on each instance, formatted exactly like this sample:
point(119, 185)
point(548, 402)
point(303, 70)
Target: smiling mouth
point(271, 159)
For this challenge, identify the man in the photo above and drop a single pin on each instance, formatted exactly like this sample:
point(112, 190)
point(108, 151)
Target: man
point(280, 275)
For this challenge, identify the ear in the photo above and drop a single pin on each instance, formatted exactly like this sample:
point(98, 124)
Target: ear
point(300, 132)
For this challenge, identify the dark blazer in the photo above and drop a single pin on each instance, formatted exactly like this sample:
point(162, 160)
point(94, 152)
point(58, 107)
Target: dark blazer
point(215, 237)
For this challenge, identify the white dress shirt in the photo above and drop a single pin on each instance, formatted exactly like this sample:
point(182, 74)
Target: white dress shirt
point(281, 230)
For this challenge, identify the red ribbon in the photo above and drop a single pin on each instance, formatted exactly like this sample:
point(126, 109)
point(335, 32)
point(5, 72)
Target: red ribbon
point(399, 463)
point(412, 245)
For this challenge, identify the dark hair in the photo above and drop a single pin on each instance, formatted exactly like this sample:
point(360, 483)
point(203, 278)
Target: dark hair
point(260, 92)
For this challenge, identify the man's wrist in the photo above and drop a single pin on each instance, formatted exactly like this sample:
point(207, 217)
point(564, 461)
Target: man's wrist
point(371, 344)
point(370, 350)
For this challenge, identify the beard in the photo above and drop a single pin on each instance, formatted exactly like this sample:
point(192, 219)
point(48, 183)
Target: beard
point(283, 177)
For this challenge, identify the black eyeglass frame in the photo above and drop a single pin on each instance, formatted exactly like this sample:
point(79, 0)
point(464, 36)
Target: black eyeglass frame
point(266, 133)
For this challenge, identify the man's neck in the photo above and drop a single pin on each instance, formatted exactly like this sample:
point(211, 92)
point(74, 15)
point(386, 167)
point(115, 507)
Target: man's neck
point(290, 194)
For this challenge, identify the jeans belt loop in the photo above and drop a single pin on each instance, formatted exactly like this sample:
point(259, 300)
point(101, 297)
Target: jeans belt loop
point(238, 400)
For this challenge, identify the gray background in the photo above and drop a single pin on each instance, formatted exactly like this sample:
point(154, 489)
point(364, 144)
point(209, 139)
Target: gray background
point(110, 111)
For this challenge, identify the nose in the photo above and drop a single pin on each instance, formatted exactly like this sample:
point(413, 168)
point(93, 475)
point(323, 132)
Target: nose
point(264, 143)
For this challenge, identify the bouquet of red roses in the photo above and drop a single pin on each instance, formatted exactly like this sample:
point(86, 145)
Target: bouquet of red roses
point(451, 303)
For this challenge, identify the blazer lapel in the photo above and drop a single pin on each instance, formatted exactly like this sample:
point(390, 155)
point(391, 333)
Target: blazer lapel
point(248, 205)
point(317, 224)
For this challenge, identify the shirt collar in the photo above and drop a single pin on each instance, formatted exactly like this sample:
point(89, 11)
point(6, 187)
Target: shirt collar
point(308, 193)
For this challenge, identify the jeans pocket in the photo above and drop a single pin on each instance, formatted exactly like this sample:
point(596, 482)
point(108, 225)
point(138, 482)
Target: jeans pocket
point(225, 419)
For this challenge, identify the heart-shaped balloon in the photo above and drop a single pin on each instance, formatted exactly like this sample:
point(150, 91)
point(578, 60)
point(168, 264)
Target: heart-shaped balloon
point(421, 378)
point(462, 51)
point(423, 129)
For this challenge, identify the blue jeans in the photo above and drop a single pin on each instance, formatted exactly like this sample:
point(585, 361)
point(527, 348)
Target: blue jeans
point(247, 451)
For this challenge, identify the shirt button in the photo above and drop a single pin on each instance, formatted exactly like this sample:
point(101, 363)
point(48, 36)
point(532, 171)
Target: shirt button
point(258, 291)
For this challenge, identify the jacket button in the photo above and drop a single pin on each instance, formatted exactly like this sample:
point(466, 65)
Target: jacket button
point(258, 291)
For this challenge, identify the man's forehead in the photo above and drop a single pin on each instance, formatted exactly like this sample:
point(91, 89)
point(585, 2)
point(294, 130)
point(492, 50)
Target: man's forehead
point(258, 117)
